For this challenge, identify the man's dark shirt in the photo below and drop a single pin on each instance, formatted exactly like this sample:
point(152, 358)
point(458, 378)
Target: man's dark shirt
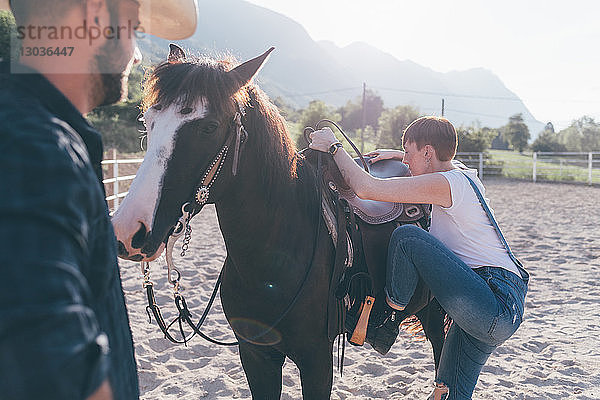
point(63, 323)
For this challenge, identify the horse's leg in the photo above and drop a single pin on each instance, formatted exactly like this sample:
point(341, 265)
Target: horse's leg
point(316, 371)
point(432, 320)
point(262, 365)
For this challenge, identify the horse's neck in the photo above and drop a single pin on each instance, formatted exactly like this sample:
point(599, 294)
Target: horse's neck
point(252, 210)
point(256, 221)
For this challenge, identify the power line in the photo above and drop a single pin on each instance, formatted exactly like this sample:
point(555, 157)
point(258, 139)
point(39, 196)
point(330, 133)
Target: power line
point(430, 93)
point(487, 115)
point(504, 117)
point(357, 88)
point(319, 93)
point(469, 96)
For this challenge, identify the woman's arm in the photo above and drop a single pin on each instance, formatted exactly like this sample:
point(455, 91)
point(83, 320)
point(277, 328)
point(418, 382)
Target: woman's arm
point(423, 189)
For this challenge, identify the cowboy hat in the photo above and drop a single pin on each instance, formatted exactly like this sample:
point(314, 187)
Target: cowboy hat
point(168, 19)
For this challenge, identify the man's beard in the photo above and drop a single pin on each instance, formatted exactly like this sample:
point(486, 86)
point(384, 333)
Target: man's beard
point(113, 74)
point(114, 88)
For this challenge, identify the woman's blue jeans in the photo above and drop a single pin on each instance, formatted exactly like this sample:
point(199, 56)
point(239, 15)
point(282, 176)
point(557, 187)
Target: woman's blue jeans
point(486, 304)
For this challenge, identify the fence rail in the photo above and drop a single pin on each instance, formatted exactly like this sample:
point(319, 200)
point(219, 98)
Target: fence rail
point(112, 184)
point(537, 166)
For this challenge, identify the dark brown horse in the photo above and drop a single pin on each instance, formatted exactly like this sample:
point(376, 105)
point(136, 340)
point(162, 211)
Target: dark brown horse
point(213, 137)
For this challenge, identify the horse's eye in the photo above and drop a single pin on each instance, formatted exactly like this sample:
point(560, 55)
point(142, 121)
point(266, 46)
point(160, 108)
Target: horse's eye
point(210, 128)
point(186, 110)
point(157, 107)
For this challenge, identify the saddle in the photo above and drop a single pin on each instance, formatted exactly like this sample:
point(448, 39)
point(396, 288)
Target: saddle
point(371, 211)
point(360, 230)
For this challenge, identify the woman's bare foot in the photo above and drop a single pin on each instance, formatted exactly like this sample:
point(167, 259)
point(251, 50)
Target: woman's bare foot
point(439, 393)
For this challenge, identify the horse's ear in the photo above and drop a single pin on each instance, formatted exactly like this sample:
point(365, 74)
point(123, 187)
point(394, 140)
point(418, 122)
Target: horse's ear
point(243, 73)
point(176, 54)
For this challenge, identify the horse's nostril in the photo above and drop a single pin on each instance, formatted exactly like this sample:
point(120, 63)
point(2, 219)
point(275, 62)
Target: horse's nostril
point(137, 241)
point(122, 251)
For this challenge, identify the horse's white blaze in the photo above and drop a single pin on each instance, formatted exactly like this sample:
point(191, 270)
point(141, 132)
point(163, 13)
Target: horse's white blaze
point(140, 204)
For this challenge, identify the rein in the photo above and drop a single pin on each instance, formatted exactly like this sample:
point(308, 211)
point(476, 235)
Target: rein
point(309, 130)
point(173, 276)
point(189, 210)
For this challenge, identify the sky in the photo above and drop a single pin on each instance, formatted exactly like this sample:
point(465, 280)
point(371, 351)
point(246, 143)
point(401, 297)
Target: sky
point(547, 52)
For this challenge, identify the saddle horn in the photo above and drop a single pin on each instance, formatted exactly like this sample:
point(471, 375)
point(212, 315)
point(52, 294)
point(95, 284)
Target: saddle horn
point(244, 73)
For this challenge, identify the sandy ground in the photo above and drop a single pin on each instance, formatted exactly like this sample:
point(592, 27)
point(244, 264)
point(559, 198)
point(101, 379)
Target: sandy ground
point(553, 228)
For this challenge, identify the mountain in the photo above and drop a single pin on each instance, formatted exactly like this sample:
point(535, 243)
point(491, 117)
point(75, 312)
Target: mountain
point(300, 69)
point(474, 94)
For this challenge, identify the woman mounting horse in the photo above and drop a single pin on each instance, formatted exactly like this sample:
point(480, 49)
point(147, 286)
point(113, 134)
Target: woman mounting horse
point(213, 137)
point(464, 258)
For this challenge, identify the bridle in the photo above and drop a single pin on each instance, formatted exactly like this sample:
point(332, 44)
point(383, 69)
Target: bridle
point(202, 192)
point(182, 227)
point(189, 210)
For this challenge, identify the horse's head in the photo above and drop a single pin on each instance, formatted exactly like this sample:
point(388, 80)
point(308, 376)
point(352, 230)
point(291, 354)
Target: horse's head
point(192, 115)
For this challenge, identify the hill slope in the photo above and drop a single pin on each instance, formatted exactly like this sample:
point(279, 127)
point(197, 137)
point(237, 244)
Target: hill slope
point(301, 69)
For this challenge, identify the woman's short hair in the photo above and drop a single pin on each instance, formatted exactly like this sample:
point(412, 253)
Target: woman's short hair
point(435, 131)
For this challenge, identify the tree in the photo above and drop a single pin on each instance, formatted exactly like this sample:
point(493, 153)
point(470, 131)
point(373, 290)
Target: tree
point(118, 123)
point(474, 138)
point(516, 132)
point(316, 111)
point(7, 29)
point(582, 135)
point(369, 135)
point(392, 124)
point(286, 110)
point(547, 140)
point(352, 112)
point(499, 143)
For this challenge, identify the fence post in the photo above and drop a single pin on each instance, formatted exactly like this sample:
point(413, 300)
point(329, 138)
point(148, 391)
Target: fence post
point(534, 166)
point(480, 165)
point(116, 182)
point(590, 162)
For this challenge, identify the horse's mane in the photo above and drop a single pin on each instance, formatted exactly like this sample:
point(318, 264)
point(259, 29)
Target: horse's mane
point(204, 77)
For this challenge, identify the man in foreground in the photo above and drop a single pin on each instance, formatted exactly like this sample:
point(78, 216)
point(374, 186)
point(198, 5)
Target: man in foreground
point(64, 330)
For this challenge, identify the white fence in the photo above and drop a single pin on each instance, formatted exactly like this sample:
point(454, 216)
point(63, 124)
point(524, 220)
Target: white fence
point(537, 166)
point(560, 167)
point(112, 184)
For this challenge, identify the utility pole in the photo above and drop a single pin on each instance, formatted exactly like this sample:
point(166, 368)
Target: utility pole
point(364, 118)
point(442, 107)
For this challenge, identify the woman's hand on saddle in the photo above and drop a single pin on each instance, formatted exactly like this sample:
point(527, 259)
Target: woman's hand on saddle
point(322, 139)
point(384, 154)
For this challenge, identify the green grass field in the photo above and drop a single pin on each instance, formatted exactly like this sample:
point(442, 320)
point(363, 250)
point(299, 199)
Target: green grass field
point(549, 167)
